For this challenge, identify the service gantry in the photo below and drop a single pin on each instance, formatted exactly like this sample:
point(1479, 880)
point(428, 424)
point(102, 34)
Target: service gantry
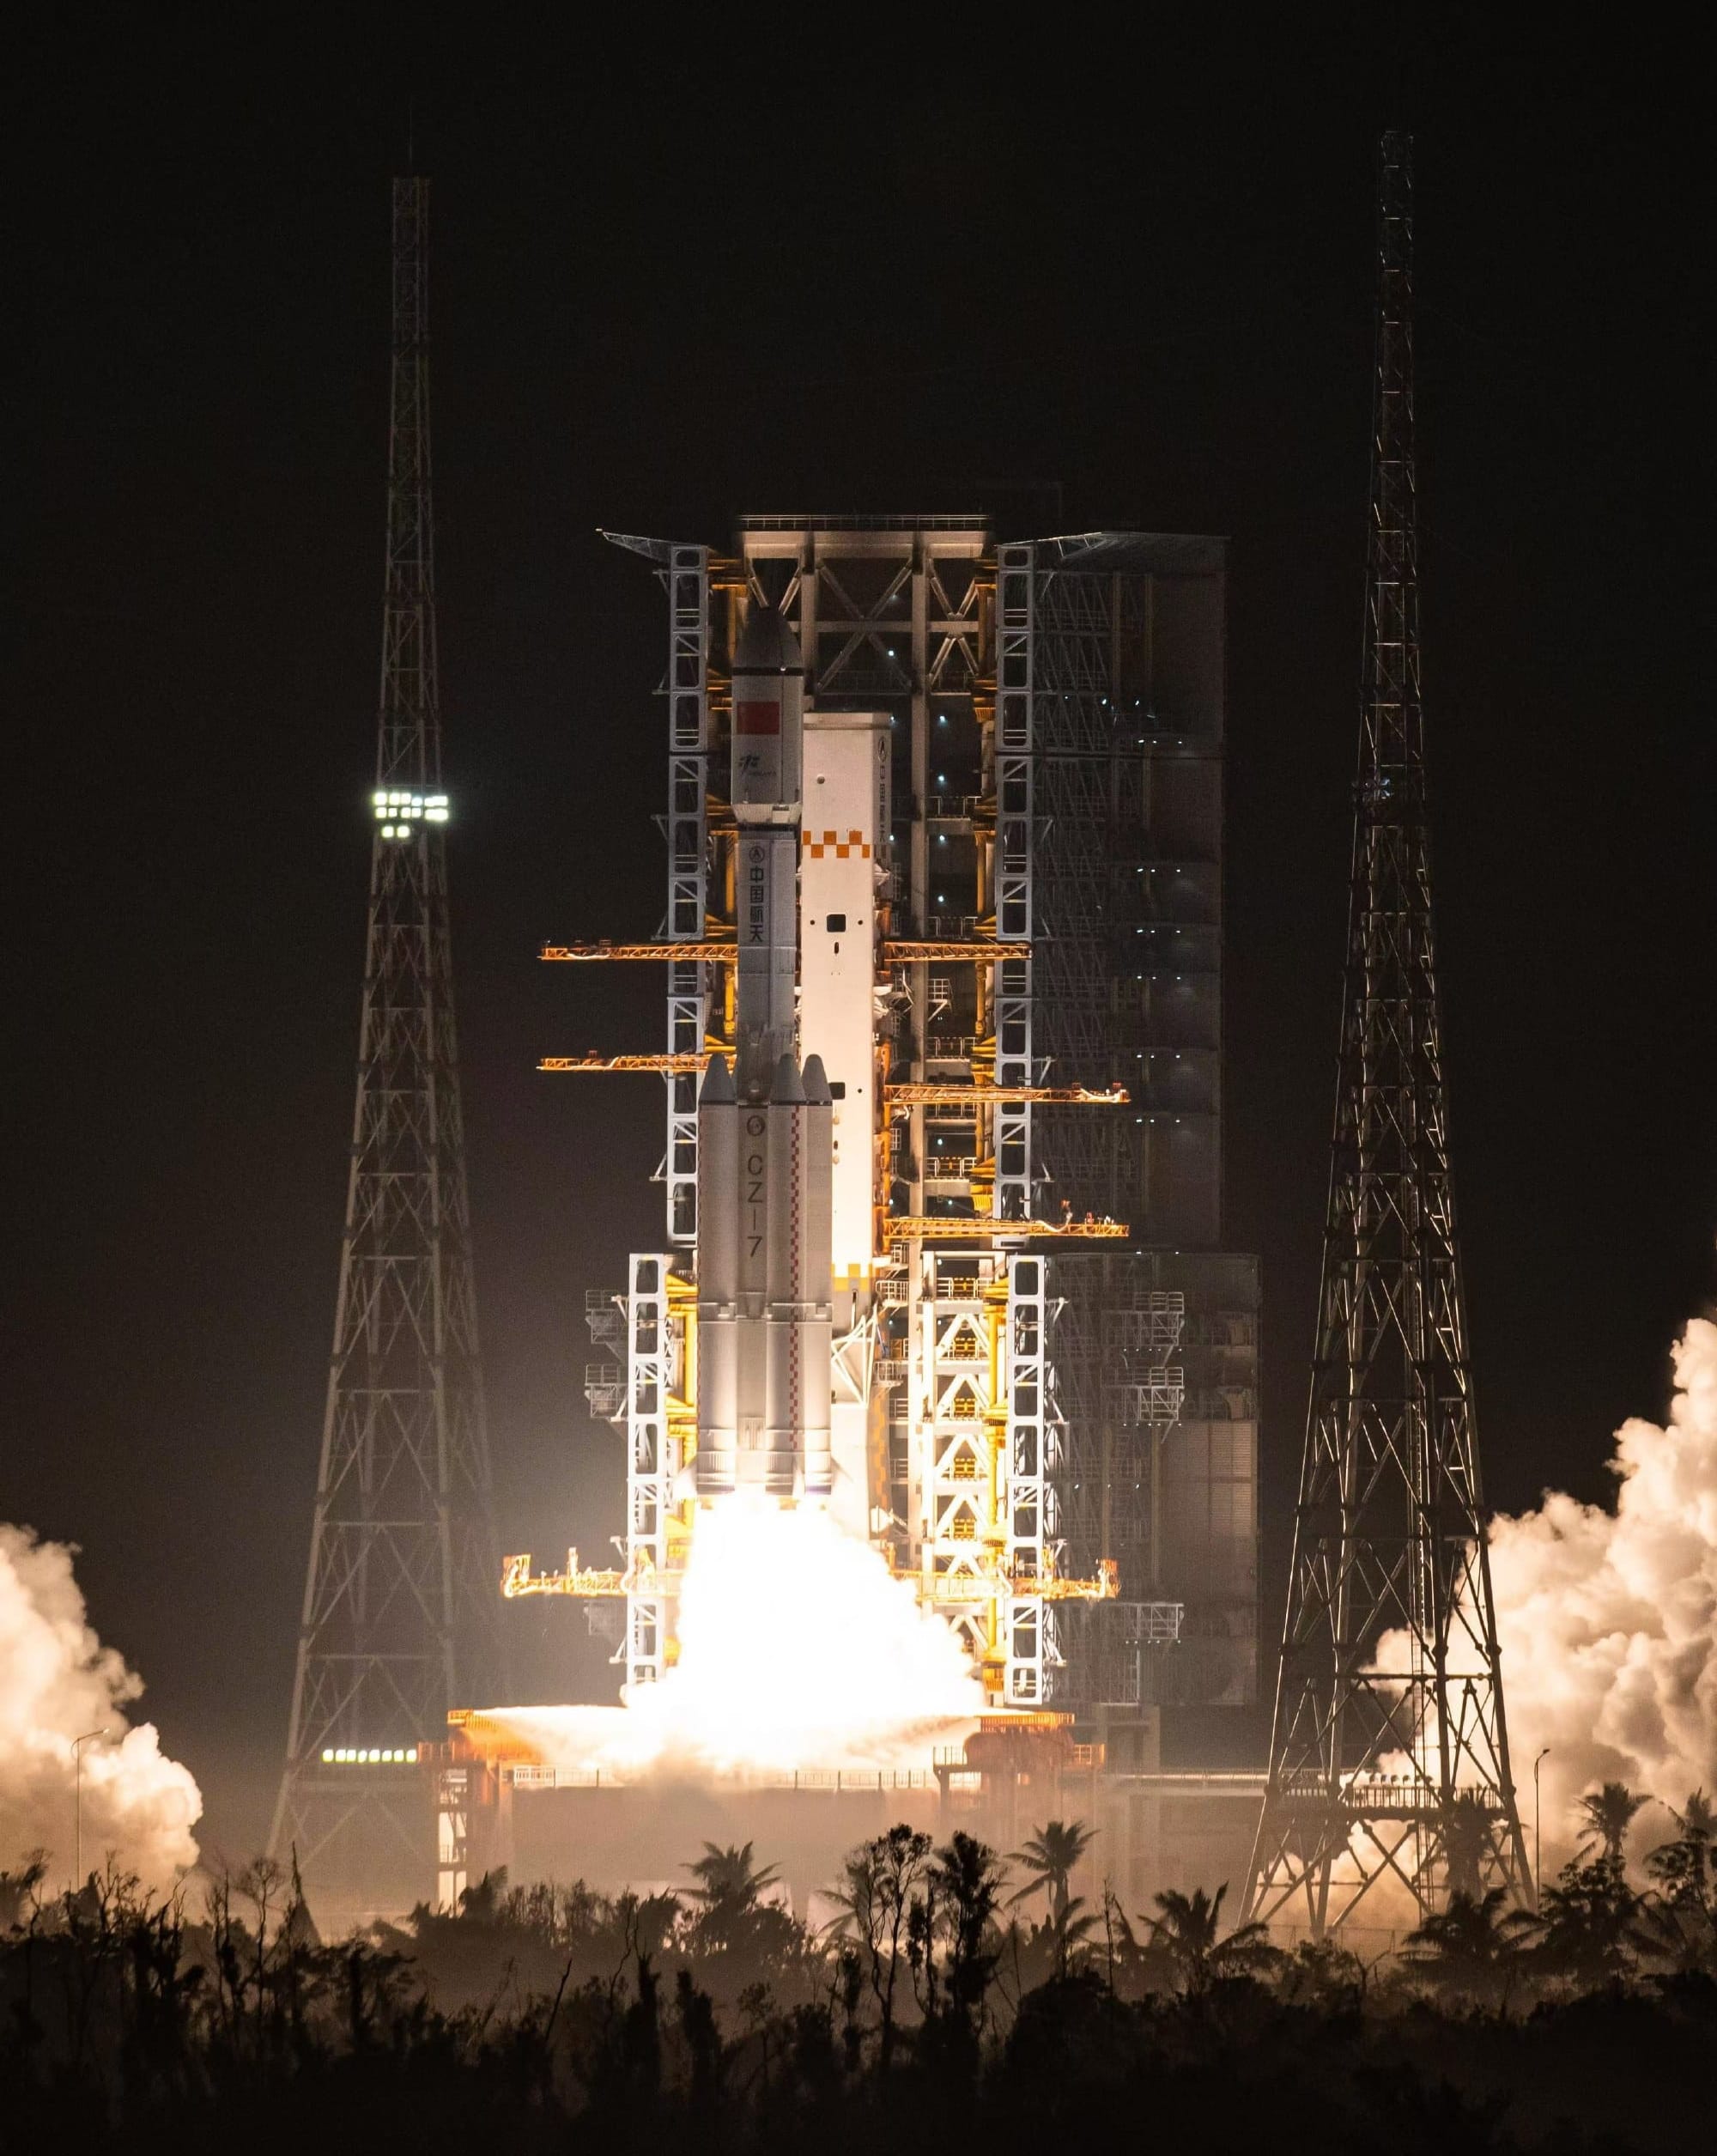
point(1045, 1367)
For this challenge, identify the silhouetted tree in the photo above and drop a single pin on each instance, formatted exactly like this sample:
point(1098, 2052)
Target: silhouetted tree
point(1187, 1929)
point(751, 1938)
point(18, 1890)
point(696, 2012)
point(968, 1880)
point(1677, 1929)
point(1608, 1811)
point(1682, 1869)
point(882, 1880)
point(1324, 1975)
point(125, 2024)
point(730, 1888)
point(1133, 1967)
point(1585, 1924)
point(1050, 1856)
point(1470, 1949)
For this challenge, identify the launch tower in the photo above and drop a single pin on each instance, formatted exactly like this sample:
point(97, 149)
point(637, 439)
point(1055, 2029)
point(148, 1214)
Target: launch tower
point(1390, 1756)
point(1009, 930)
point(399, 1619)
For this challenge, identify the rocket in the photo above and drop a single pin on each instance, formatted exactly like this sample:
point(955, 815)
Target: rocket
point(765, 1131)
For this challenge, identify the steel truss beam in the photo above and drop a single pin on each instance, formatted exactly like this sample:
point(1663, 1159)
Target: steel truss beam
point(910, 1093)
point(982, 1228)
point(654, 1349)
point(684, 1063)
point(724, 952)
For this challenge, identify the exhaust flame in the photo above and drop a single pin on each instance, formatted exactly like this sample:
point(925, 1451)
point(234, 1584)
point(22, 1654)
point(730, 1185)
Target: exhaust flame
point(798, 1648)
point(57, 1681)
point(1608, 1620)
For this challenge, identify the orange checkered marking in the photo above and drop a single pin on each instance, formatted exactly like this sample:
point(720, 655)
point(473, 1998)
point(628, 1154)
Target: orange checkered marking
point(842, 849)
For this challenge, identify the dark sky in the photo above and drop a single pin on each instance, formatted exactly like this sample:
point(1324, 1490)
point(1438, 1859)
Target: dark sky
point(675, 282)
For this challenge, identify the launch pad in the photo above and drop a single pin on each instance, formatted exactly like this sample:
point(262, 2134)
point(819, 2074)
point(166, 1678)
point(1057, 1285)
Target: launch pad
point(941, 1267)
point(942, 950)
point(940, 1261)
point(501, 1802)
point(942, 944)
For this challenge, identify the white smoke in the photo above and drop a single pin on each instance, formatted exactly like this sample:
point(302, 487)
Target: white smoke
point(57, 1682)
point(1608, 1620)
point(798, 1650)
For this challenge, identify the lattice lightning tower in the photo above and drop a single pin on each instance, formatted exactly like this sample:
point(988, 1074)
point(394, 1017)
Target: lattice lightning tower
point(400, 1619)
point(1390, 1753)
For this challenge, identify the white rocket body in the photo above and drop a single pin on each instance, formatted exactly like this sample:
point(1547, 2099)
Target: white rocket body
point(767, 782)
point(765, 1142)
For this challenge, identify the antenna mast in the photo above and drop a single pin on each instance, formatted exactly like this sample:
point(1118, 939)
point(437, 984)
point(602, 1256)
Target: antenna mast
point(401, 1617)
point(1389, 1759)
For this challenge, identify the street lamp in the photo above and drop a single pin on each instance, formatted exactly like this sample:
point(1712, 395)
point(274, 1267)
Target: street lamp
point(1538, 1832)
point(77, 1745)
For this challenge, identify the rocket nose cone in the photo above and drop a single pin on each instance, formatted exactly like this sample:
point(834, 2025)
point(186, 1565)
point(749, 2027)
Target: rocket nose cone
point(787, 1089)
point(766, 645)
point(717, 1090)
point(816, 1083)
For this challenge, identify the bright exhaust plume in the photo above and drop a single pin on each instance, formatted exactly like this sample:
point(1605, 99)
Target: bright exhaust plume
point(57, 1682)
point(799, 1649)
point(1608, 1619)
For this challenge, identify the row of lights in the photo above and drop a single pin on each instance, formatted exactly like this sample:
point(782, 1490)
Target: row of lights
point(350, 1756)
point(397, 812)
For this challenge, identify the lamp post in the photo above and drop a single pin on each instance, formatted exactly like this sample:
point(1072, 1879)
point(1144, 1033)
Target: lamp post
point(77, 1745)
point(1537, 1835)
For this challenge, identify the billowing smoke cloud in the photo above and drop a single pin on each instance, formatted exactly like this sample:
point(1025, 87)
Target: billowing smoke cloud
point(1608, 1620)
point(797, 1650)
point(57, 1681)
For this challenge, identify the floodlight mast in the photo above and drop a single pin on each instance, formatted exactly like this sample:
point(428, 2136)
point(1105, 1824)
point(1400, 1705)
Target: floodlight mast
point(399, 1618)
point(1389, 1653)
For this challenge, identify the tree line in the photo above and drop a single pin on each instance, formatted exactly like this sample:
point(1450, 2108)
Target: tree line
point(956, 1991)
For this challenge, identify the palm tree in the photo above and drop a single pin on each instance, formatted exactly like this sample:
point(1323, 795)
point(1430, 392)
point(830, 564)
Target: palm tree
point(1682, 1868)
point(1050, 1856)
point(729, 1892)
point(1679, 1919)
point(1472, 1947)
point(1608, 1813)
point(1585, 1923)
point(728, 1875)
point(1675, 1931)
point(1328, 1979)
point(1699, 1821)
point(1187, 1930)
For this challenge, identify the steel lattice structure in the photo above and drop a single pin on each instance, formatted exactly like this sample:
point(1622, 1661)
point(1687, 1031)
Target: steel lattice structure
point(1390, 1753)
point(1056, 711)
point(400, 1616)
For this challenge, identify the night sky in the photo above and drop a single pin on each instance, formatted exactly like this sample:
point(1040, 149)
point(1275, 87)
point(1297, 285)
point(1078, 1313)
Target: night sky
point(674, 282)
